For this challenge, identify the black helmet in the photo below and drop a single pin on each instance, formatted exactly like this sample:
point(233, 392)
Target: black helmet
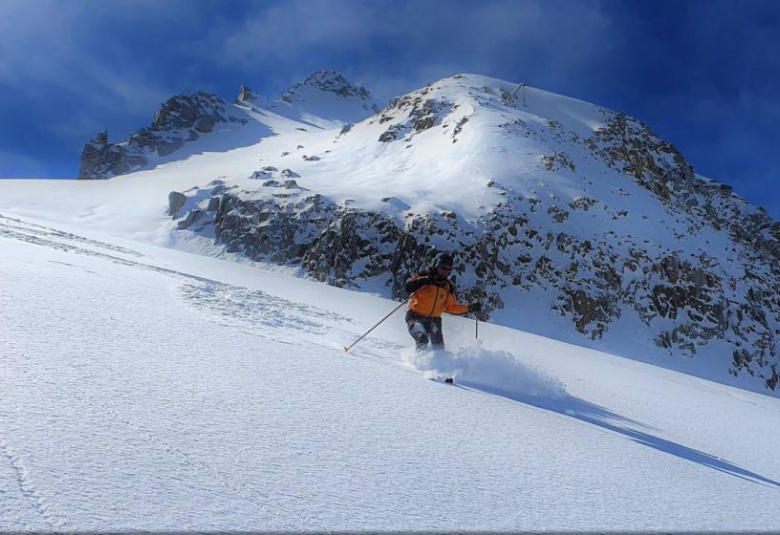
point(444, 259)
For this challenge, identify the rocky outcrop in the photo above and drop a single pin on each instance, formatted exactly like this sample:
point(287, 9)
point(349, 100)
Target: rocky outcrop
point(101, 159)
point(175, 201)
point(414, 113)
point(199, 112)
point(331, 82)
point(181, 119)
point(627, 144)
point(246, 95)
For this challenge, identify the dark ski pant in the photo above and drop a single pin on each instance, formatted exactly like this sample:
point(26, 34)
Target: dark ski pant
point(425, 328)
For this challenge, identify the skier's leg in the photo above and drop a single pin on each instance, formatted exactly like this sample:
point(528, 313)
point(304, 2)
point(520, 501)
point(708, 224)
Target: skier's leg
point(417, 329)
point(437, 339)
point(437, 335)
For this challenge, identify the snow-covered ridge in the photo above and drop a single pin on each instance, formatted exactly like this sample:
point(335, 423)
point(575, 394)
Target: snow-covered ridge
point(324, 100)
point(325, 81)
point(568, 219)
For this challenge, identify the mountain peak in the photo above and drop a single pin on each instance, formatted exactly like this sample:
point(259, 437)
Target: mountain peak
point(326, 81)
point(328, 100)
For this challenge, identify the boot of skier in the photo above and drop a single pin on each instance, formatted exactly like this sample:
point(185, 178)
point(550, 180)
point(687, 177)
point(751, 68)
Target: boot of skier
point(432, 294)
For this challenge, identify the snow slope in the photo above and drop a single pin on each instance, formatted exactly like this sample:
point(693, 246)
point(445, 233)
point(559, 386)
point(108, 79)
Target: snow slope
point(149, 388)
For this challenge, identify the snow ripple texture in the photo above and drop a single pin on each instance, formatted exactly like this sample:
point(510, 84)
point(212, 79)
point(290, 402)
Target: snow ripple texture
point(251, 308)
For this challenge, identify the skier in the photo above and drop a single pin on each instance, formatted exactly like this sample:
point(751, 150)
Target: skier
point(433, 293)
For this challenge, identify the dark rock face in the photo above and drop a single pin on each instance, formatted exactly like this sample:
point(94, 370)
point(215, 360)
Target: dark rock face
point(192, 217)
point(181, 119)
point(414, 114)
point(101, 159)
point(200, 112)
point(633, 148)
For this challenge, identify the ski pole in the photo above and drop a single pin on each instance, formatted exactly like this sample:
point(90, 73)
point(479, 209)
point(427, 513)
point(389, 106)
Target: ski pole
point(476, 334)
point(377, 325)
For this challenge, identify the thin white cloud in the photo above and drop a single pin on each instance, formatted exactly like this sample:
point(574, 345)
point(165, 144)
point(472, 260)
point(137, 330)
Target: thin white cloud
point(553, 41)
point(42, 55)
point(280, 43)
point(287, 30)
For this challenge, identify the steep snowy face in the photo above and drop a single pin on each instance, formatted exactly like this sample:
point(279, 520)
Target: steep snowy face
point(445, 146)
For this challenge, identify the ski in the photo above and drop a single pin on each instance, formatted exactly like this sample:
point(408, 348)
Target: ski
point(448, 380)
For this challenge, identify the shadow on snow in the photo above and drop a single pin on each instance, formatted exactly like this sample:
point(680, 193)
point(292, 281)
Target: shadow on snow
point(599, 416)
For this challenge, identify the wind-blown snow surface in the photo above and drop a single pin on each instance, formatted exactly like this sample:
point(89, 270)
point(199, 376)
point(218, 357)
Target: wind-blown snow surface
point(148, 388)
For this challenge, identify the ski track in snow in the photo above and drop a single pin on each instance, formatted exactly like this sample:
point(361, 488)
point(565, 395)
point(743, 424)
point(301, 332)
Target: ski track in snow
point(34, 233)
point(28, 490)
point(231, 306)
point(234, 305)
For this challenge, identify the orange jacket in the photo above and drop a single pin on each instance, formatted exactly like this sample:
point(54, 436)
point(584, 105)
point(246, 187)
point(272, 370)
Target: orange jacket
point(431, 299)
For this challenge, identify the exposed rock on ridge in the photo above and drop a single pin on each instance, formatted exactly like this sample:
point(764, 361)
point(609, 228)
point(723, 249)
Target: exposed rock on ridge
point(327, 81)
point(181, 119)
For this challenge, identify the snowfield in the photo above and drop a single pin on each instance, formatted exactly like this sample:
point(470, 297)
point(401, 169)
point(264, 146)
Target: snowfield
point(143, 387)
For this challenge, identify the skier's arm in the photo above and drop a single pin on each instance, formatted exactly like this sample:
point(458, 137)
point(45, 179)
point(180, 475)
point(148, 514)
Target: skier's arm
point(451, 306)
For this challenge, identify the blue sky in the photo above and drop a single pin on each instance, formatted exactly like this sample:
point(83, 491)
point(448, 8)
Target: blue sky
point(702, 74)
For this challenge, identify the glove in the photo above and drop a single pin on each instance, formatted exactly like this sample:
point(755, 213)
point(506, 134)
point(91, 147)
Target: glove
point(475, 307)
